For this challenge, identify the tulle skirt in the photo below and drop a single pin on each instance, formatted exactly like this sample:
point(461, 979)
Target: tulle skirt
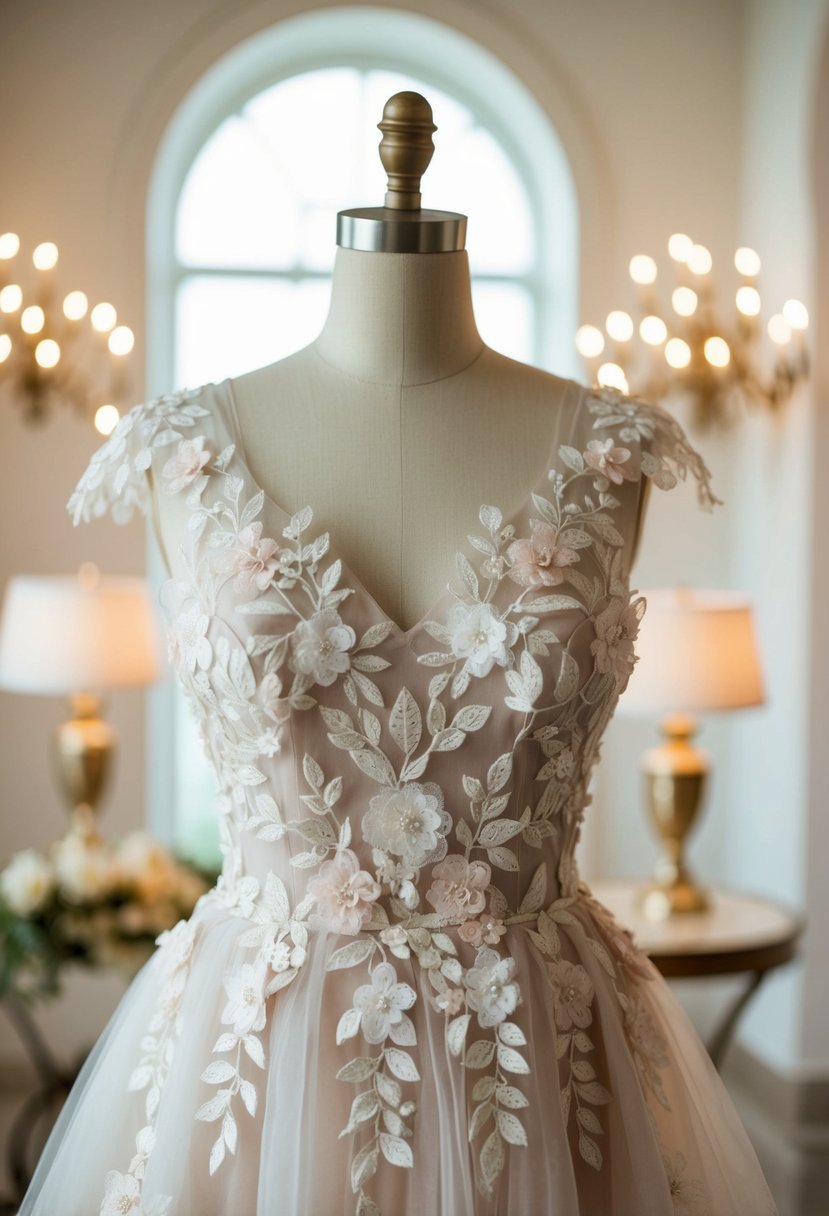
point(647, 1129)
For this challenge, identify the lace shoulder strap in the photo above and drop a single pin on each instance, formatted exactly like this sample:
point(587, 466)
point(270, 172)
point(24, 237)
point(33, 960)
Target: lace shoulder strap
point(666, 454)
point(116, 479)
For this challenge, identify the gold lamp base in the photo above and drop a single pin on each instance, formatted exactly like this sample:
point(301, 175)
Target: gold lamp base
point(84, 747)
point(675, 777)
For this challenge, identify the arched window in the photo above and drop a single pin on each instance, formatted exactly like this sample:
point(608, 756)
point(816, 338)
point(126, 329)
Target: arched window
point(266, 149)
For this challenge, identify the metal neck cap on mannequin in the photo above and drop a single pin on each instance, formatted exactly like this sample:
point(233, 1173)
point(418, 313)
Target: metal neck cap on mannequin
point(402, 226)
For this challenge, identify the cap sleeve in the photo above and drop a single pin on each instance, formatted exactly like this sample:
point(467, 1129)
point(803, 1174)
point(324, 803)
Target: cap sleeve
point(666, 455)
point(117, 477)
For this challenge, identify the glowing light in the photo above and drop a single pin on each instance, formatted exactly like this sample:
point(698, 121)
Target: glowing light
point(680, 246)
point(32, 319)
point(653, 330)
point(699, 260)
point(642, 269)
point(106, 419)
point(619, 326)
point(684, 301)
point(5, 347)
point(9, 245)
point(589, 341)
point(748, 301)
point(47, 353)
point(75, 306)
point(121, 340)
point(45, 256)
point(717, 352)
point(796, 314)
point(677, 353)
point(610, 375)
point(11, 297)
point(103, 318)
point(779, 329)
point(747, 262)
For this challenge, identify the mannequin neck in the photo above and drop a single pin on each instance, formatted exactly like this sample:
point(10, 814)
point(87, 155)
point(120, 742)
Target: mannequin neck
point(400, 318)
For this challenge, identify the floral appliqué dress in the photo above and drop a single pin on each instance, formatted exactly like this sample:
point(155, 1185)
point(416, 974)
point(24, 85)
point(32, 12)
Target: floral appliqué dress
point(399, 998)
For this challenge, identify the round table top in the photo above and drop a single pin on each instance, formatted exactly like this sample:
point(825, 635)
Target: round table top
point(737, 933)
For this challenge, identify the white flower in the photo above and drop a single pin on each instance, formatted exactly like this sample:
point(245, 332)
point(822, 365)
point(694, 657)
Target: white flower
point(245, 1008)
point(27, 882)
point(480, 637)
point(489, 990)
point(185, 466)
point(123, 1195)
point(175, 947)
point(321, 645)
point(84, 869)
point(188, 643)
point(409, 823)
point(381, 1004)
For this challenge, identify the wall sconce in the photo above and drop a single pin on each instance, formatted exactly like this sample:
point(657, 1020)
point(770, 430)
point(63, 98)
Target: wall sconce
point(46, 350)
point(691, 347)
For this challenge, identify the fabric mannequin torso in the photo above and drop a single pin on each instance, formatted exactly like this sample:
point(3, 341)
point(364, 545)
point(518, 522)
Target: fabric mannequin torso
point(415, 424)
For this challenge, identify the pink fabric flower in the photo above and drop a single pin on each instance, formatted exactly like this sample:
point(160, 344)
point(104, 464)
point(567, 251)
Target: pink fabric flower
point(616, 630)
point(185, 466)
point(451, 1001)
point(459, 886)
point(344, 894)
point(487, 928)
point(608, 460)
point(540, 561)
point(253, 563)
point(572, 994)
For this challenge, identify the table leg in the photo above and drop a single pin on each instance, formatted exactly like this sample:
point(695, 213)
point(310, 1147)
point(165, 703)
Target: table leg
point(720, 1039)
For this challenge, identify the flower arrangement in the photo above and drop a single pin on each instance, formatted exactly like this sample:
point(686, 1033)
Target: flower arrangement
point(88, 902)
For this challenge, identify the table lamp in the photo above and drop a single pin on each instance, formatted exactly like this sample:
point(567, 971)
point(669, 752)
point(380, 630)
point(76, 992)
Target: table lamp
point(79, 636)
point(697, 653)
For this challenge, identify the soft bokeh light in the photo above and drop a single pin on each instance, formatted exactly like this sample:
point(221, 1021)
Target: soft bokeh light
point(611, 375)
point(779, 329)
point(653, 330)
point(45, 256)
point(699, 260)
point(748, 301)
point(717, 351)
point(677, 353)
point(103, 318)
point(47, 353)
point(106, 419)
point(32, 319)
point(680, 246)
point(747, 262)
point(9, 245)
point(642, 269)
point(589, 341)
point(796, 314)
point(5, 347)
point(684, 301)
point(619, 325)
point(11, 297)
point(75, 306)
point(121, 340)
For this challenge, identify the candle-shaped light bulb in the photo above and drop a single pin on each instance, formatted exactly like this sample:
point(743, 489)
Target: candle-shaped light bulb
point(717, 351)
point(748, 301)
point(11, 297)
point(32, 319)
point(653, 330)
point(121, 340)
point(45, 256)
point(589, 341)
point(747, 262)
point(619, 326)
point(103, 318)
point(684, 301)
point(679, 246)
point(677, 353)
point(75, 306)
point(642, 269)
point(47, 353)
point(9, 245)
point(106, 419)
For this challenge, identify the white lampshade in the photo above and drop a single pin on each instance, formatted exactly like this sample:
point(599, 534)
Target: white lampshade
point(697, 651)
point(66, 634)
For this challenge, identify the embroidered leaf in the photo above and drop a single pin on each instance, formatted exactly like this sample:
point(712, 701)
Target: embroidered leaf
point(572, 458)
point(480, 1054)
point(492, 1158)
point(348, 1025)
point(491, 518)
point(563, 1045)
point(405, 723)
point(552, 603)
point(352, 954)
point(606, 530)
point(536, 892)
point(375, 765)
point(264, 607)
point(508, 1095)
point(589, 1120)
point(471, 717)
point(368, 688)
point(396, 1150)
point(364, 1106)
point(218, 1071)
point(499, 773)
point(230, 1131)
point(593, 1092)
point(388, 1089)
point(568, 680)
point(369, 662)
point(467, 575)
point(511, 1061)
point(479, 1119)
point(511, 1128)
point(583, 1070)
point(304, 861)
point(503, 858)
point(254, 1049)
point(313, 772)
point(248, 1092)
point(484, 1087)
point(367, 1207)
point(401, 1064)
point(359, 1068)
point(498, 832)
point(371, 727)
point(275, 898)
point(403, 1032)
point(215, 1107)
point(364, 1165)
point(511, 1034)
point(225, 1042)
point(583, 1041)
point(590, 1151)
point(217, 1155)
point(448, 740)
point(415, 768)
point(374, 635)
point(456, 1033)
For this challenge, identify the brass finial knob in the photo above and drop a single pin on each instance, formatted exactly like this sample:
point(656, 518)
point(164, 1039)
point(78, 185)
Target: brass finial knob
point(406, 148)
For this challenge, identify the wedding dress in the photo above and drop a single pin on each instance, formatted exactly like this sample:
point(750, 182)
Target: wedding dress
point(399, 997)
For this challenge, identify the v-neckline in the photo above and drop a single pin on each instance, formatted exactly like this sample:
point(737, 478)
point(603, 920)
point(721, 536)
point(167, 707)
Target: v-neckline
point(403, 635)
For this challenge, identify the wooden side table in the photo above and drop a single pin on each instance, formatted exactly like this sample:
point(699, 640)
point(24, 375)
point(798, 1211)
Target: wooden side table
point(740, 934)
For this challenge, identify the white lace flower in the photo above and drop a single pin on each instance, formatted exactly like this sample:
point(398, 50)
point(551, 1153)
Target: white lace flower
point(185, 466)
point(481, 637)
point(27, 882)
point(321, 646)
point(408, 822)
point(381, 1004)
point(344, 894)
point(245, 1008)
point(122, 1195)
point(573, 994)
point(688, 1195)
point(400, 878)
point(175, 947)
point(489, 988)
point(188, 644)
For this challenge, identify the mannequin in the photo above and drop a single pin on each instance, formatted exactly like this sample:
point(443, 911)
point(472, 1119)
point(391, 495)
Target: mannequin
point(416, 422)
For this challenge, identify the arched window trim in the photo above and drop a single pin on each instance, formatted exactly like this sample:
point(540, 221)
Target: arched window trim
point(366, 38)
